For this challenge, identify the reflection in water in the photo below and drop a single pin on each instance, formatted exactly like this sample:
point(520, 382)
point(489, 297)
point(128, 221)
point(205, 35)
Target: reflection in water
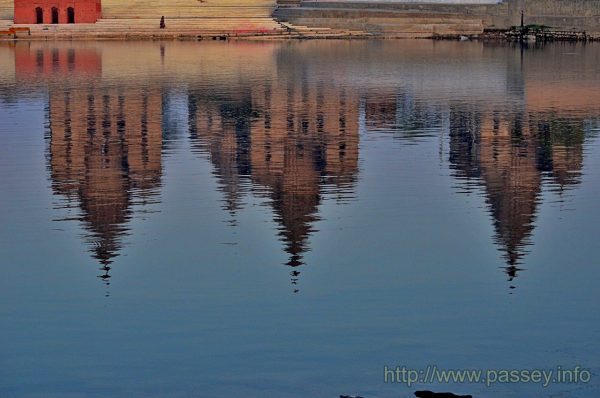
point(399, 112)
point(510, 156)
point(105, 156)
point(105, 153)
point(292, 137)
point(294, 140)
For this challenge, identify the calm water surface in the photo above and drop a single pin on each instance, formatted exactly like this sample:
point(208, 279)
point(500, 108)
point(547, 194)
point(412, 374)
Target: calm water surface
point(285, 219)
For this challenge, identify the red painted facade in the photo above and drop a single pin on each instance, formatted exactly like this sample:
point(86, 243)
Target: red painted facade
point(57, 11)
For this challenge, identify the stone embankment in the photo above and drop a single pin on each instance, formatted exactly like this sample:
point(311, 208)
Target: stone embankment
point(281, 19)
point(383, 23)
point(193, 19)
point(263, 28)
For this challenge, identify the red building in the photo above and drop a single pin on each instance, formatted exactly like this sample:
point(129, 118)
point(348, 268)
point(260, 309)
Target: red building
point(57, 11)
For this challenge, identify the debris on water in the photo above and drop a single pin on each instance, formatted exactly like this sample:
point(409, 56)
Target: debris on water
point(431, 394)
point(350, 396)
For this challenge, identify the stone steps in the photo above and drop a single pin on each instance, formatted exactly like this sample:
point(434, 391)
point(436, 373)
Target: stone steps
point(159, 6)
point(369, 12)
point(410, 6)
point(173, 8)
point(302, 31)
point(191, 25)
point(264, 28)
point(186, 8)
point(6, 9)
point(399, 19)
point(383, 22)
point(192, 28)
point(181, 22)
point(212, 12)
point(139, 28)
point(376, 26)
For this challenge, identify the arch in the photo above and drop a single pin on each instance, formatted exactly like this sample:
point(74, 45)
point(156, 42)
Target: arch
point(70, 15)
point(39, 15)
point(54, 15)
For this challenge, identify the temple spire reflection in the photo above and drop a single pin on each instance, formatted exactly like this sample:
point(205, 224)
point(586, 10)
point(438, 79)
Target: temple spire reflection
point(104, 154)
point(283, 142)
point(512, 153)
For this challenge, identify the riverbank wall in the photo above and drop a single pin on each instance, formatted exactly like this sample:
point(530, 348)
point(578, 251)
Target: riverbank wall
point(390, 18)
point(267, 19)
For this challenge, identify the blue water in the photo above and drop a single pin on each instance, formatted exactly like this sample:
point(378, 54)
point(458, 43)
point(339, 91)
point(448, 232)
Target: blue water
point(286, 219)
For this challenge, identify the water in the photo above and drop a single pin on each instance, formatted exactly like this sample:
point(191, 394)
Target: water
point(286, 219)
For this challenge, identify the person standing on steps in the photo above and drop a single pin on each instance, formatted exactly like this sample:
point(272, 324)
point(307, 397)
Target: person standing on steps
point(162, 22)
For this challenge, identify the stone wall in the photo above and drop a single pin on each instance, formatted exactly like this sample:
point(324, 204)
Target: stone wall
point(560, 14)
point(564, 14)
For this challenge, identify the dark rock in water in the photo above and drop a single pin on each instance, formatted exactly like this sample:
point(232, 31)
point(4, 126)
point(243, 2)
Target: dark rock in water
point(350, 396)
point(431, 394)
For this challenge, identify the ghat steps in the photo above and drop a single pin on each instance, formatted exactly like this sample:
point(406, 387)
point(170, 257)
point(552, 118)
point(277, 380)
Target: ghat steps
point(387, 23)
point(308, 32)
point(6, 9)
point(179, 27)
point(187, 8)
point(190, 28)
point(173, 8)
point(139, 18)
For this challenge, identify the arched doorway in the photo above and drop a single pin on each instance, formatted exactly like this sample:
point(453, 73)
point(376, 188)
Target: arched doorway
point(54, 15)
point(70, 15)
point(39, 15)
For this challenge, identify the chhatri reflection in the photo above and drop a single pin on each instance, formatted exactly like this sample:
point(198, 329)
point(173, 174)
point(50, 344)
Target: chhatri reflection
point(509, 157)
point(291, 136)
point(395, 185)
point(288, 143)
point(105, 156)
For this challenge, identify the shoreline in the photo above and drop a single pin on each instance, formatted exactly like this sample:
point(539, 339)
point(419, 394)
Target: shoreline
point(264, 29)
point(492, 36)
point(543, 20)
point(227, 28)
